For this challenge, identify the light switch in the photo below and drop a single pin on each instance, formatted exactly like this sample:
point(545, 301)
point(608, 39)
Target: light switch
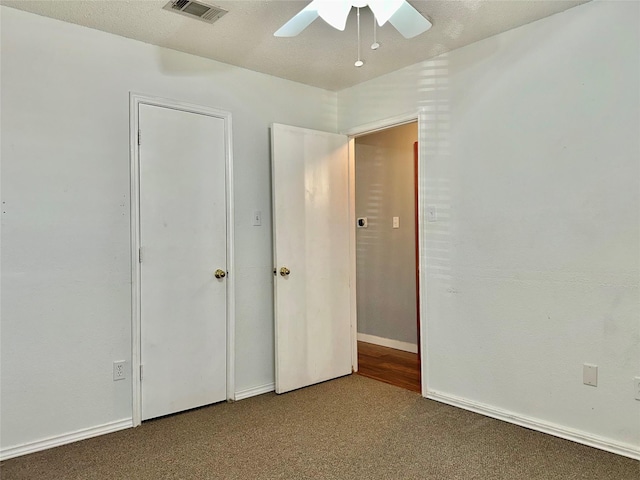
point(396, 222)
point(257, 218)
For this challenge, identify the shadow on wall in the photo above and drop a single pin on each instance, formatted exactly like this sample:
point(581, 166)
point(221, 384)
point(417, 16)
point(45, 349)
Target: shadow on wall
point(434, 190)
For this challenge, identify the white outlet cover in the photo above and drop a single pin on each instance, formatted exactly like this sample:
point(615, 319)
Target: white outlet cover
point(396, 222)
point(119, 370)
point(590, 375)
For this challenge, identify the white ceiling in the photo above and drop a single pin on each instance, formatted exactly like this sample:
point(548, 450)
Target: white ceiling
point(320, 56)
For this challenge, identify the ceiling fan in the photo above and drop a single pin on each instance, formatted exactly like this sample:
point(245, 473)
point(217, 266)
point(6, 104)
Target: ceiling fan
point(399, 13)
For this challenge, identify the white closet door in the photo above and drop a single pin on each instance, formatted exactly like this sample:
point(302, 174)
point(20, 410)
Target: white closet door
point(183, 240)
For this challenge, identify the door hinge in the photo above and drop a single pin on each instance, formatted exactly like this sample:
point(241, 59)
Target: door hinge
point(139, 135)
point(140, 372)
point(140, 255)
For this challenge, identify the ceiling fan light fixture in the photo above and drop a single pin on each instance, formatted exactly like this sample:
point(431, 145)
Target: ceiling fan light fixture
point(399, 13)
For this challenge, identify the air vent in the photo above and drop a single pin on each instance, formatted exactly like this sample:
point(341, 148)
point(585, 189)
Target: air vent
point(199, 10)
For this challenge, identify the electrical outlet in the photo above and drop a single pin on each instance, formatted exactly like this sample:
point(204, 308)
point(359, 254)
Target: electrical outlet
point(119, 372)
point(636, 387)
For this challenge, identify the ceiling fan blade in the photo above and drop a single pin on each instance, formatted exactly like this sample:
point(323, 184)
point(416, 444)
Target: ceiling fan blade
point(299, 22)
point(383, 10)
point(409, 22)
point(334, 13)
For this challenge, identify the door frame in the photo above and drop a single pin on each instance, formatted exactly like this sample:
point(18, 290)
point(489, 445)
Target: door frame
point(421, 117)
point(135, 100)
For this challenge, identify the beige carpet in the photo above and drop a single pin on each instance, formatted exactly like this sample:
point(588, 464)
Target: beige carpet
point(350, 428)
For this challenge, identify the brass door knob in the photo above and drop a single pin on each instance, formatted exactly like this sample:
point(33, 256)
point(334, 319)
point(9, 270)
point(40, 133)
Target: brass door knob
point(284, 271)
point(220, 273)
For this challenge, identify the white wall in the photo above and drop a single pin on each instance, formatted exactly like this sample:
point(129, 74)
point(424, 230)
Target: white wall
point(66, 307)
point(386, 256)
point(532, 159)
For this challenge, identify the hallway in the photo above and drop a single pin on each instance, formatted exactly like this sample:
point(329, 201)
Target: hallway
point(389, 365)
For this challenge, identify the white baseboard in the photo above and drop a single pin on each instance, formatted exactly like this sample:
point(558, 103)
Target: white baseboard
point(388, 342)
point(252, 392)
point(626, 450)
point(56, 441)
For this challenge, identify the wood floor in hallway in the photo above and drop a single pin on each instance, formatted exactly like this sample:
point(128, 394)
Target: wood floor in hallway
point(389, 365)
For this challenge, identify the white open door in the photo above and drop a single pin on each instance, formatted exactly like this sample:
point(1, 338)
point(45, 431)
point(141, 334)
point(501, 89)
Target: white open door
point(311, 256)
point(183, 236)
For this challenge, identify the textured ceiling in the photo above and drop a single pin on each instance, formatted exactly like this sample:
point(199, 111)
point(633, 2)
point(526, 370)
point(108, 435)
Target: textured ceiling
point(319, 56)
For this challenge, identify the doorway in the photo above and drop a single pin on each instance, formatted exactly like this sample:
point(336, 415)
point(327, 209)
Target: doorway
point(181, 245)
point(387, 279)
